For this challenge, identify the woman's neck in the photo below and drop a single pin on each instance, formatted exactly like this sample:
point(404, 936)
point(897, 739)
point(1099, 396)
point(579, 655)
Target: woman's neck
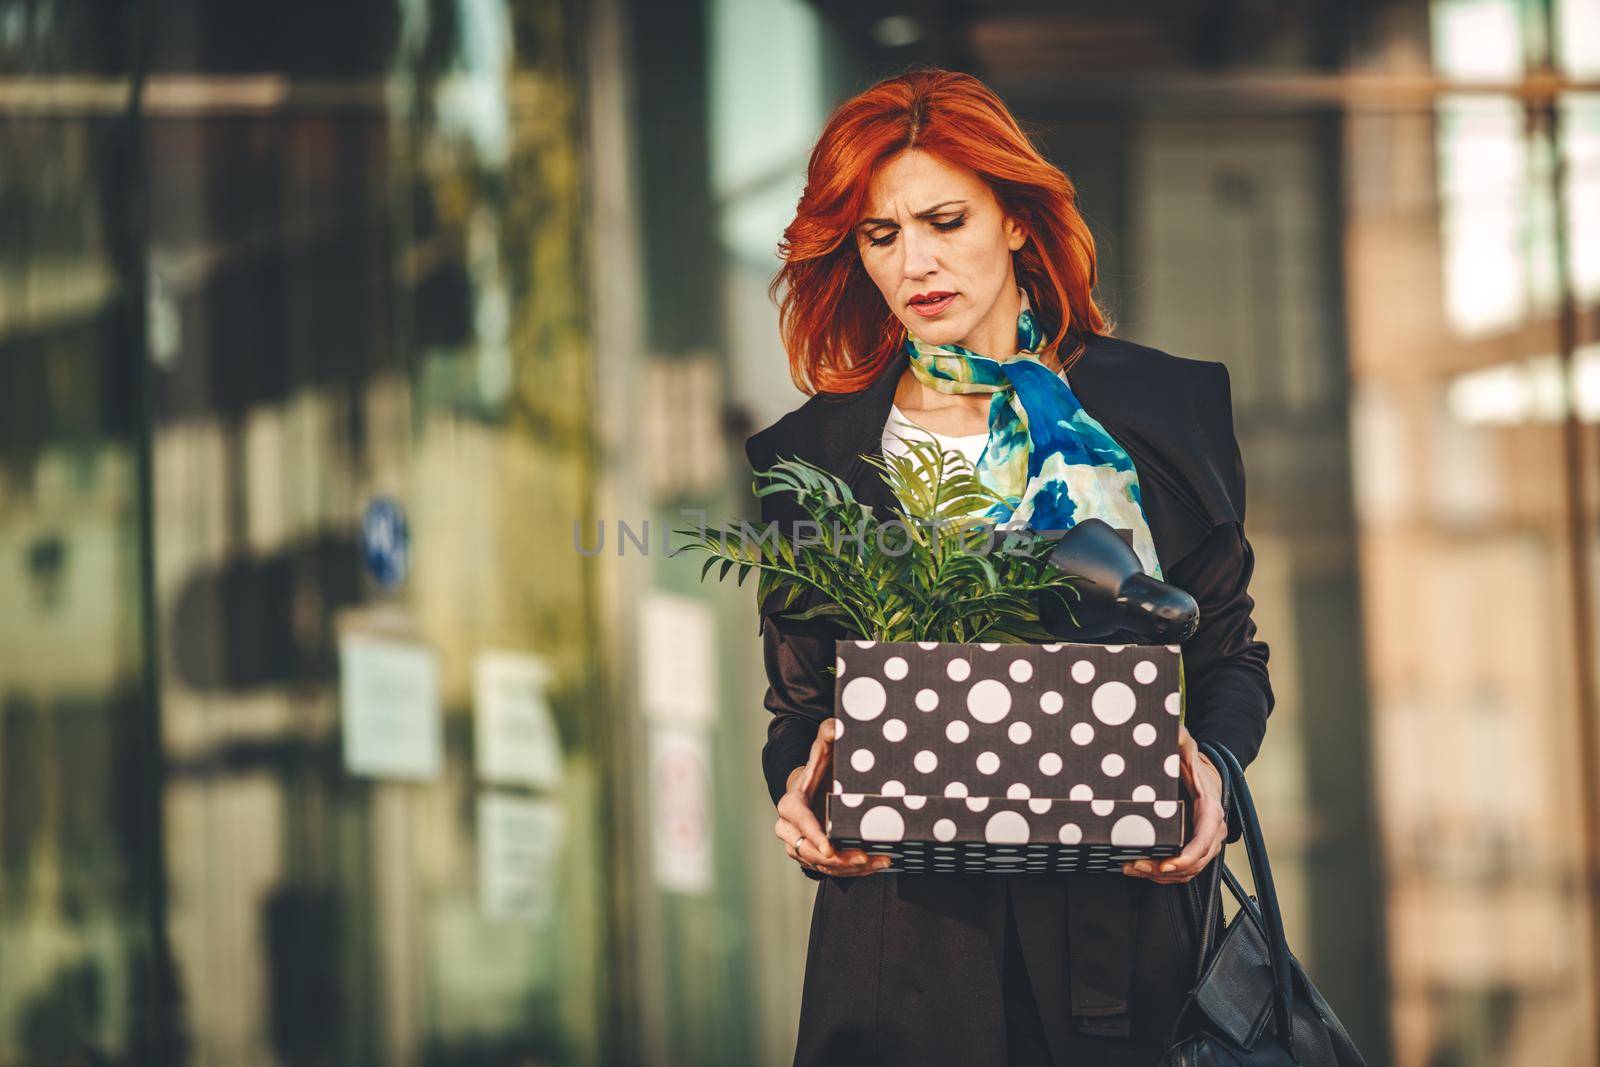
point(996, 335)
point(963, 413)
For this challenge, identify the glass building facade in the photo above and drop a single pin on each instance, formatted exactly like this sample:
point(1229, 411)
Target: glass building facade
point(357, 360)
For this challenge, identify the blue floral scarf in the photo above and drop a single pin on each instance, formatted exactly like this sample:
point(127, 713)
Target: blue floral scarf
point(1049, 458)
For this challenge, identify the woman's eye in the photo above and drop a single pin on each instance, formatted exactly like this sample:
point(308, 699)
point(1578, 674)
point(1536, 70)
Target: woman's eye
point(953, 224)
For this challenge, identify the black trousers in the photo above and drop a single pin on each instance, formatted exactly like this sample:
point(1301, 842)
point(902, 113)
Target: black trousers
point(928, 970)
point(1026, 1044)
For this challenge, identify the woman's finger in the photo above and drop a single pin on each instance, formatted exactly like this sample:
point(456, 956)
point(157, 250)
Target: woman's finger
point(821, 760)
point(796, 808)
point(852, 863)
point(800, 845)
point(1208, 823)
point(1204, 785)
point(1210, 834)
point(787, 831)
point(1184, 874)
point(846, 863)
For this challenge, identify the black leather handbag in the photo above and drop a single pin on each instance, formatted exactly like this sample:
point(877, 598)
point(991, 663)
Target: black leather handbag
point(1252, 1004)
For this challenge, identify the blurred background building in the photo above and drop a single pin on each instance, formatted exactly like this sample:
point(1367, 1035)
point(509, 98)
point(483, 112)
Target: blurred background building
point(356, 358)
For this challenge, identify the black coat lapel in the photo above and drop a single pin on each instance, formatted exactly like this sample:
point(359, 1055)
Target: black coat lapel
point(859, 431)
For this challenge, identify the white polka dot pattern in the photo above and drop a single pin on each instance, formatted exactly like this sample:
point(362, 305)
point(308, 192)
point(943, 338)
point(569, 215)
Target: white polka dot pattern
point(1113, 703)
point(863, 698)
point(1006, 828)
point(989, 700)
point(882, 823)
point(1067, 750)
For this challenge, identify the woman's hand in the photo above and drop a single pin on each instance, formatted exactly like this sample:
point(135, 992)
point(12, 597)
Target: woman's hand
point(1210, 825)
point(798, 812)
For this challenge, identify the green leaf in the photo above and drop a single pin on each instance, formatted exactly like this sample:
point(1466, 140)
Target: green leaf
point(821, 610)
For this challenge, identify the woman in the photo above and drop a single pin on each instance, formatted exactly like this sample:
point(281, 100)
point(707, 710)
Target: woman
point(932, 246)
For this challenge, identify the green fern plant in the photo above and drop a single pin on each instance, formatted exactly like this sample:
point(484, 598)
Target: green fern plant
point(935, 571)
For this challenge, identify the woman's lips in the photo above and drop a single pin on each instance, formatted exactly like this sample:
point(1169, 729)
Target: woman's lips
point(931, 308)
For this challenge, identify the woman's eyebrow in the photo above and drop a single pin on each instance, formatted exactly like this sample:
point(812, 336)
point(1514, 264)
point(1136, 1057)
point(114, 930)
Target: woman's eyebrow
point(924, 213)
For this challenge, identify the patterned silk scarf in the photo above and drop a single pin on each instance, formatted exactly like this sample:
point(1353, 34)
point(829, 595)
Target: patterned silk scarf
point(1049, 458)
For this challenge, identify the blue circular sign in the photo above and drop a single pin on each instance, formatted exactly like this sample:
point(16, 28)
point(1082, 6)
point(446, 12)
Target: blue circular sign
point(385, 542)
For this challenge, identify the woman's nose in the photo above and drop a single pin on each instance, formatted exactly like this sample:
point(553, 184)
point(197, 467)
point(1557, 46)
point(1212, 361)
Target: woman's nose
point(920, 260)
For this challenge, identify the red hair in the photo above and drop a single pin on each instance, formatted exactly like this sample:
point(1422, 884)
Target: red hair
point(836, 326)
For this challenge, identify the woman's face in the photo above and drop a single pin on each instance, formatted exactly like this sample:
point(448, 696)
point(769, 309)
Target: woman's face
point(938, 246)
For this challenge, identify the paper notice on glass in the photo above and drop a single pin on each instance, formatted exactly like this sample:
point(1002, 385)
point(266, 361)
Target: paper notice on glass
point(389, 707)
point(519, 845)
point(677, 648)
point(681, 817)
point(517, 742)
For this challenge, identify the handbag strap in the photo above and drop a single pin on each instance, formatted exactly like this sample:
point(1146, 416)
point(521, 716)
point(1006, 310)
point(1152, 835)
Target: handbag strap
point(1205, 890)
point(1203, 896)
point(1270, 916)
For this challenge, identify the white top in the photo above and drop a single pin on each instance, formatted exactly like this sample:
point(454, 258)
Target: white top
point(969, 445)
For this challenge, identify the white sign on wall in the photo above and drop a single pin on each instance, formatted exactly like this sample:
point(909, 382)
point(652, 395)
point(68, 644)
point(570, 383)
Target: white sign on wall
point(389, 707)
point(677, 648)
point(519, 853)
point(516, 738)
point(680, 807)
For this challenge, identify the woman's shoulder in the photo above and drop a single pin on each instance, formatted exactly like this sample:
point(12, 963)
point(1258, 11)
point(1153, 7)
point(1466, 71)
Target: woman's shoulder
point(789, 436)
point(1122, 361)
point(1175, 411)
point(1143, 384)
point(824, 423)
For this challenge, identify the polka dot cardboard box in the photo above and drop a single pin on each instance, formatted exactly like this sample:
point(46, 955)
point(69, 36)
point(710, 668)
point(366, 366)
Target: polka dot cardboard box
point(1007, 757)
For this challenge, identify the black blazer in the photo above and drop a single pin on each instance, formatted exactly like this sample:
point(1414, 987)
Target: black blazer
point(1174, 417)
